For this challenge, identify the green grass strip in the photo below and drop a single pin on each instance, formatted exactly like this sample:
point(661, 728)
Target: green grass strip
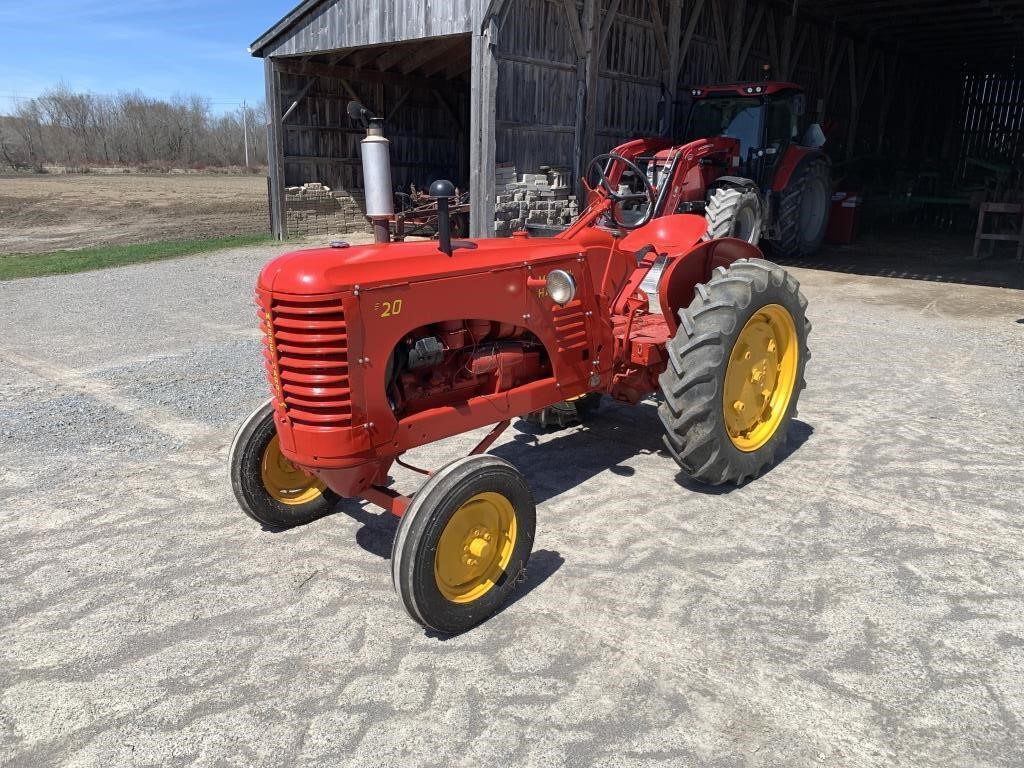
point(18, 265)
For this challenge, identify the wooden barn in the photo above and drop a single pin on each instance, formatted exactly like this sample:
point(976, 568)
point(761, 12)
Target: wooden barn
point(468, 85)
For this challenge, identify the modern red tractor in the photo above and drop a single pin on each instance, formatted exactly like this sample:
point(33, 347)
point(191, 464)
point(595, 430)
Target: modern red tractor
point(374, 350)
point(747, 162)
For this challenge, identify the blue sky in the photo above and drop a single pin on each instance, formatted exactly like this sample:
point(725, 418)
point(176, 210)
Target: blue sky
point(160, 47)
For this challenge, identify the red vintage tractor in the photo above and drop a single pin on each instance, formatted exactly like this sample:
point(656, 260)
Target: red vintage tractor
point(374, 350)
point(747, 162)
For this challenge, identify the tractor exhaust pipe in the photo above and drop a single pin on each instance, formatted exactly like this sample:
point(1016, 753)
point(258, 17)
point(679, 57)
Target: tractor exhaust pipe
point(376, 153)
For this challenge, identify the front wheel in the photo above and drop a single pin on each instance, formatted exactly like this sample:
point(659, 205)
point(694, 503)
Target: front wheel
point(269, 488)
point(463, 543)
point(735, 213)
point(736, 368)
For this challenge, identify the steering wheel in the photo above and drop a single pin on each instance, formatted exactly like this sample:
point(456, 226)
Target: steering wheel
point(600, 164)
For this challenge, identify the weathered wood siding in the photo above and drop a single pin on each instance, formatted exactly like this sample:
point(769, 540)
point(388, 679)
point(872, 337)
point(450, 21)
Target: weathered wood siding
point(352, 23)
point(322, 145)
point(630, 90)
point(535, 103)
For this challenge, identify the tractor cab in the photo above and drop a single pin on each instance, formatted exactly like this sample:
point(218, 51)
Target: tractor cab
point(765, 117)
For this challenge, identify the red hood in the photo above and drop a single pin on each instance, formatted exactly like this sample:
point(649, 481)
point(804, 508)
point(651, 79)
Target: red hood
point(329, 270)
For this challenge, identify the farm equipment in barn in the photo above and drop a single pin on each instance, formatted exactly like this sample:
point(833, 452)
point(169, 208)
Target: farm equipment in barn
point(374, 350)
point(747, 163)
point(416, 214)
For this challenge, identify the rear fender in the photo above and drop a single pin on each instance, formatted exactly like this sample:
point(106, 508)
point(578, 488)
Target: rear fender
point(677, 286)
point(792, 159)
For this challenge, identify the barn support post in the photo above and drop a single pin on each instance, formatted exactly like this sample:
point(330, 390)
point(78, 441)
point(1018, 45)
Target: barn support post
point(592, 39)
point(275, 148)
point(482, 139)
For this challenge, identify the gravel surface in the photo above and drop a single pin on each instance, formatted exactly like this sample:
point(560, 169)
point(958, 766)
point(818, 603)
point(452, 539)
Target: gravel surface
point(860, 605)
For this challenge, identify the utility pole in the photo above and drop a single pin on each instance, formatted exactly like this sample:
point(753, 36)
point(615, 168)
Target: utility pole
point(245, 130)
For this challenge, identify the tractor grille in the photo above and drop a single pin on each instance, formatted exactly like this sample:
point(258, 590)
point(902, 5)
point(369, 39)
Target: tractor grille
point(306, 348)
point(570, 326)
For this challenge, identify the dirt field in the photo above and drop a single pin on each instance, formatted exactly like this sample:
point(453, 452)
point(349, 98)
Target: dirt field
point(47, 213)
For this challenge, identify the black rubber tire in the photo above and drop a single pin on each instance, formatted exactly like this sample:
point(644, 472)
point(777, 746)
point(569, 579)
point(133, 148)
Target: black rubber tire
point(566, 413)
point(692, 384)
point(727, 210)
point(792, 241)
point(420, 529)
point(244, 468)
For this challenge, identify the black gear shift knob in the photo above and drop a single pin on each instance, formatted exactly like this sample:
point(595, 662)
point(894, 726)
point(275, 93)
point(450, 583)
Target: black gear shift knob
point(442, 188)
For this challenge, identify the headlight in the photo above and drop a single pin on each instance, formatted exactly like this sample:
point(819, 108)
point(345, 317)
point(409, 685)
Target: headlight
point(561, 286)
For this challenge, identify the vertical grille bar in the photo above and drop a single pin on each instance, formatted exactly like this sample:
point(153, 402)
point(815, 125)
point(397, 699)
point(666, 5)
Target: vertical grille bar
point(307, 356)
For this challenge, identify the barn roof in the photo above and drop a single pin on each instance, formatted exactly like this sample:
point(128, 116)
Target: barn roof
point(282, 26)
point(973, 31)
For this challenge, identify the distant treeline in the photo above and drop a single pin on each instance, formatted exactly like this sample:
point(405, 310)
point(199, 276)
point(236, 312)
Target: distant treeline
point(78, 130)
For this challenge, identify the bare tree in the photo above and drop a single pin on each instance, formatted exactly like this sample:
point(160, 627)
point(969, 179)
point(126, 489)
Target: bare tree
point(82, 129)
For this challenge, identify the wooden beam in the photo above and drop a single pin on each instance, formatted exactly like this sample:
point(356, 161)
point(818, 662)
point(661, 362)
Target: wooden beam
point(390, 57)
point(573, 21)
point(675, 24)
point(660, 37)
point(798, 52)
point(482, 131)
point(591, 28)
point(754, 30)
point(609, 20)
point(349, 90)
point(723, 45)
point(442, 63)
point(398, 104)
point(275, 148)
point(452, 114)
point(298, 99)
point(691, 27)
point(361, 75)
point(739, 15)
point(860, 79)
point(774, 57)
point(429, 54)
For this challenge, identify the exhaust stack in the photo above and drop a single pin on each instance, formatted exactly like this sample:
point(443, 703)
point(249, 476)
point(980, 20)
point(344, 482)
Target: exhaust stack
point(376, 154)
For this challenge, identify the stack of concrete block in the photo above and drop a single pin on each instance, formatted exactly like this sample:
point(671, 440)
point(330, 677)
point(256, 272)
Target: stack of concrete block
point(534, 198)
point(314, 209)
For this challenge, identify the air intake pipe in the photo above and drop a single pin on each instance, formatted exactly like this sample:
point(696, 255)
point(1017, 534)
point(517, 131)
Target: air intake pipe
point(376, 154)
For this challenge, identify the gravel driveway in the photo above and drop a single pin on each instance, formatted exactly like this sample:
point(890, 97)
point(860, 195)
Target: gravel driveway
point(860, 605)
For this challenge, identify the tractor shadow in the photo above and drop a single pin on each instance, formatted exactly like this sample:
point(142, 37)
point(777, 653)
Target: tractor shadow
point(566, 459)
point(616, 433)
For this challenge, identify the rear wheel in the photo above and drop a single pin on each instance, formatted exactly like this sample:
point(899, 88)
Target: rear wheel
point(269, 488)
point(463, 543)
point(803, 211)
point(735, 213)
point(736, 368)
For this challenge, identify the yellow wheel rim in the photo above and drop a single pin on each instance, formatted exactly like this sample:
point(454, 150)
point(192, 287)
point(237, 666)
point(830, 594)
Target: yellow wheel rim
point(284, 481)
point(475, 547)
point(761, 377)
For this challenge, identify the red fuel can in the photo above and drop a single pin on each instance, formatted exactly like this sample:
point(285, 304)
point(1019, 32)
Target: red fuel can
point(843, 218)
